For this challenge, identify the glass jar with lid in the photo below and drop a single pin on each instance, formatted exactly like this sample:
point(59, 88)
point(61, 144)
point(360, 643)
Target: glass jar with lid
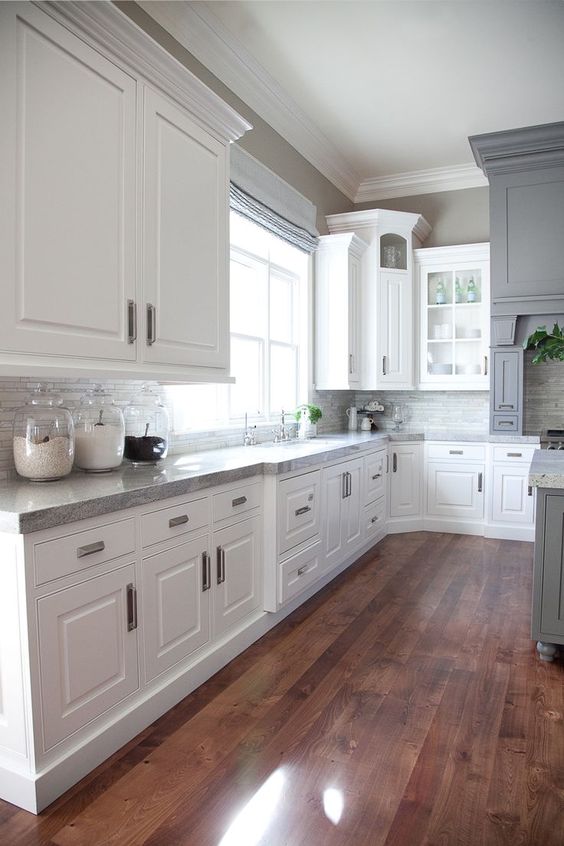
point(43, 437)
point(146, 429)
point(99, 432)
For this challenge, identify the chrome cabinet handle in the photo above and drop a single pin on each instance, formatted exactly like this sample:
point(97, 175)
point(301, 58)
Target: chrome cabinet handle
point(376, 476)
point(383, 365)
point(131, 607)
point(178, 521)
point(151, 324)
point(131, 321)
point(480, 482)
point(505, 422)
point(506, 405)
point(456, 452)
point(387, 462)
point(240, 500)
point(485, 365)
point(344, 486)
point(395, 462)
point(515, 455)
point(303, 510)
point(302, 570)
point(351, 359)
point(530, 490)
point(220, 565)
point(374, 520)
point(206, 572)
point(90, 549)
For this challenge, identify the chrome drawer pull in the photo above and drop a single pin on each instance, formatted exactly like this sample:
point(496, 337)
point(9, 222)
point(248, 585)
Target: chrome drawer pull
point(506, 405)
point(178, 521)
point(374, 520)
point(131, 607)
point(515, 455)
point(303, 510)
point(377, 476)
point(220, 562)
point(90, 549)
point(240, 500)
point(302, 570)
point(206, 572)
point(456, 452)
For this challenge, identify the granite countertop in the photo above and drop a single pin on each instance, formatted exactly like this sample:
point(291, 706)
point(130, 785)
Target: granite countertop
point(31, 506)
point(547, 469)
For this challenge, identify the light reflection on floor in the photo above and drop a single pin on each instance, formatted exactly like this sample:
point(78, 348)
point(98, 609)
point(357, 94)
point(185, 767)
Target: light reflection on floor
point(333, 804)
point(251, 823)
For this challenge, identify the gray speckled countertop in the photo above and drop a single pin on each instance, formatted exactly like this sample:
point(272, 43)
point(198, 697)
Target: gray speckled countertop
point(547, 469)
point(28, 506)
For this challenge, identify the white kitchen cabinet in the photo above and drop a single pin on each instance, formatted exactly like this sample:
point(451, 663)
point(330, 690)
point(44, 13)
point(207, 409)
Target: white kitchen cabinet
point(386, 323)
point(342, 522)
point(113, 227)
point(185, 243)
point(87, 651)
point(455, 490)
point(337, 311)
point(375, 471)
point(406, 471)
point(176, 604)
point(68, 220)
point(511, 504)
point(238, 577)
point(454, 304)
point(299, 510)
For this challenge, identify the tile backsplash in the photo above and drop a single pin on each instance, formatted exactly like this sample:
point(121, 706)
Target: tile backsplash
point(544, 395)
point(428, 410)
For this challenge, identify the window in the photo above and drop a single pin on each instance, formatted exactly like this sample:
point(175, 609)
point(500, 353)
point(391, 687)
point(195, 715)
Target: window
point(269, 304)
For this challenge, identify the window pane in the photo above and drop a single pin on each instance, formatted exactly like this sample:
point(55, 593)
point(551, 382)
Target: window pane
point(288, 257)
point(248, 296)
point(283, 378)
point(193, 406)
point(281, 307)
point(246, 366)
point(247, 235)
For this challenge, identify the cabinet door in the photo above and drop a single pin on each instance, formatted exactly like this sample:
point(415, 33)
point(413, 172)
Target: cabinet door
point(374, 476)
point(238, 582)
point(87, 652)
point(354, 318)
point(511, 502)
point(334, 496)
point(352, 522)
point(185, 259)
point(552, 539)
point(176, 605)
point(298, 510)
point(455, 490)
point(68, 183)
point(507, 380)
point(395, 329)
point(405, 480)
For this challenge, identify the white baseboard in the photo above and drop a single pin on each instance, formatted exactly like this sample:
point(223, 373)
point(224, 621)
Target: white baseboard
point(398, 525)
point(503, 531)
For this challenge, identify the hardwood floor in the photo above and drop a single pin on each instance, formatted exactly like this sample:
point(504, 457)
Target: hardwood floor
point(403, 705)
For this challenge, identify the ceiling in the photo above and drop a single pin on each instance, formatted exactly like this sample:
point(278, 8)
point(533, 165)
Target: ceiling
point(381, 96)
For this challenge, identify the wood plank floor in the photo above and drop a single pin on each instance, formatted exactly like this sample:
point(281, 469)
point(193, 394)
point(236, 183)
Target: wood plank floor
point(403, 705)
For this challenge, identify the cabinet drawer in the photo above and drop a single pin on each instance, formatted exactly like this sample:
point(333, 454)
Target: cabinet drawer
point(236, 501)
point(72, 553)
point(176, 520)
point(300, 571)
point(505, 423)
point(298, 510)
point(458, 452)
point(514, 453)
point(374, 472)
point(374, 518)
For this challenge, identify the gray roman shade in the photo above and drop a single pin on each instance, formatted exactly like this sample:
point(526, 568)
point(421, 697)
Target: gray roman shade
point(263, 197)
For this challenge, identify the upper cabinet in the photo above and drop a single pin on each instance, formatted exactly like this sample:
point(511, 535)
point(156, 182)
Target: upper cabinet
point(114, 236)
point(454, 300)
point(386, 323)
point(337, 309)
point(525, 168)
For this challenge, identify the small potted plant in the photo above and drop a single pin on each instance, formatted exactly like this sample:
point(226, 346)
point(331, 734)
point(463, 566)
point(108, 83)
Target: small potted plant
point(546, 344)
point(308, 425)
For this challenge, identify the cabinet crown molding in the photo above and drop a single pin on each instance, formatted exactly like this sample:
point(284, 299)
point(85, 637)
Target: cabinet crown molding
point(518, 149)
point(345, 240)
point(396, 221)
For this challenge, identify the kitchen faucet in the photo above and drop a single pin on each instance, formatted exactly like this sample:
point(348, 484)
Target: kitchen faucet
point(249, 438)
point(281, 433)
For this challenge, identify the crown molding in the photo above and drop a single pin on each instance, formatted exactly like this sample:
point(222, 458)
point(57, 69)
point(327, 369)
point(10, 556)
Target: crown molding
point(397, 221)
point(194, 25)
point(429, 181)
point(529, 147)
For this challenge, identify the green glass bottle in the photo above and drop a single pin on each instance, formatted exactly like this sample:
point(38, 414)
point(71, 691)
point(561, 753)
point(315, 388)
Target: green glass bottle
point(457, 291)
point(471, 291)
point(440, 296)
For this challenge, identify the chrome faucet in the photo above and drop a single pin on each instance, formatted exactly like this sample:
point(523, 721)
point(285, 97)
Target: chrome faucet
point(249, 438)
point(281, 433)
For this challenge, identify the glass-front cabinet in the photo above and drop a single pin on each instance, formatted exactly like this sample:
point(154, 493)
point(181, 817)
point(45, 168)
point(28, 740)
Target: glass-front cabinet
point(454, 304)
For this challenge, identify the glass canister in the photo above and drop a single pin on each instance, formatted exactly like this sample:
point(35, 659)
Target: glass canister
point(146, 429)
point(99, 432)
point(43, 437)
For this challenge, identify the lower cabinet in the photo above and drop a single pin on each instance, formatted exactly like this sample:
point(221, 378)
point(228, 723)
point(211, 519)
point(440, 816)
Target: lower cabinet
point(176, 604)
point(512, 499)
point(237, 591)
point(87, 651)
point(342, 524)
point(406, 469)
point(548, 582)
point(455, 490)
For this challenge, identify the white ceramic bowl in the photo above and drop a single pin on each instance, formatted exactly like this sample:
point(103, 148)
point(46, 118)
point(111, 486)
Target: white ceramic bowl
point(440, 369)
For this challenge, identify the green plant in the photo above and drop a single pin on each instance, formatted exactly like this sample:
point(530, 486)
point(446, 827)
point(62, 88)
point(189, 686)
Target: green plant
point(547, 344)
point(314, 411)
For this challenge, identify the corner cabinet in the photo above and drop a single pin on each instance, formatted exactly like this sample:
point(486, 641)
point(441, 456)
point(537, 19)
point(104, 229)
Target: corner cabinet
point(337, 311)
point(454, 301)
point(386, 318)
point(114, 236)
